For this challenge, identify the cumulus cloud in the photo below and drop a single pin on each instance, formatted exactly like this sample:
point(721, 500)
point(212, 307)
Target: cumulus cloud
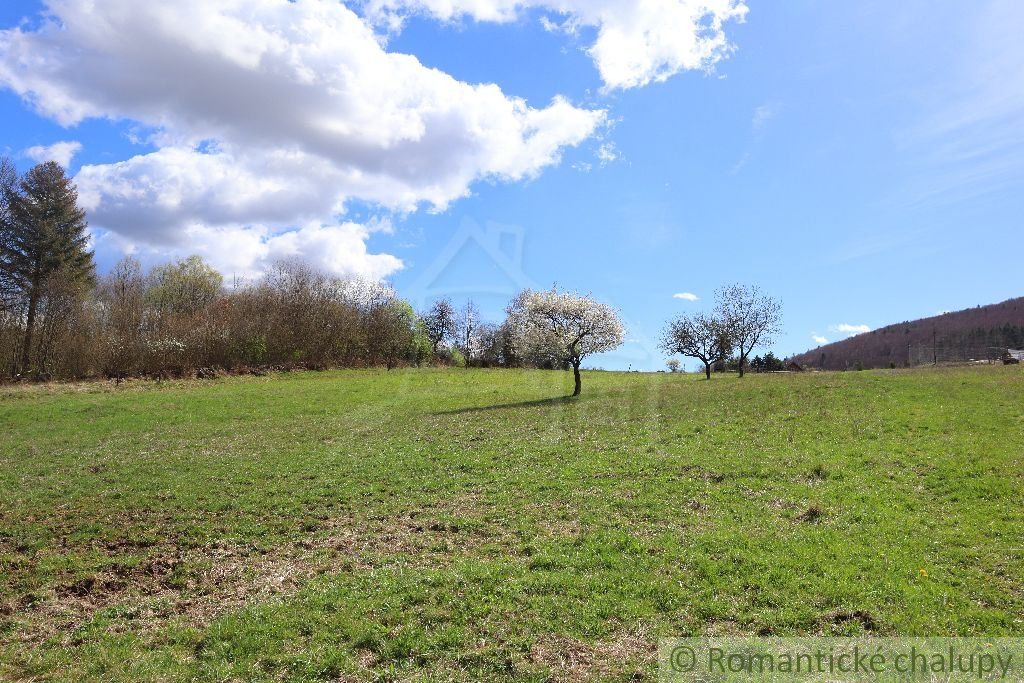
point(61, 152)
point(270, 115)
point(339, 249)
point(851, 330)
point(638, 41)
point(819, 340)
point(247, 251)
point(686, 296)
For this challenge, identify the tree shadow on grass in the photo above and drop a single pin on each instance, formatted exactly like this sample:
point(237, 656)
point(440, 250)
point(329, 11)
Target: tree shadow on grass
point(502, 406)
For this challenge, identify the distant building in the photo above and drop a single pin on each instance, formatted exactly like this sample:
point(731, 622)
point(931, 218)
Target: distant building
point(1013, 356)
point(793, 366)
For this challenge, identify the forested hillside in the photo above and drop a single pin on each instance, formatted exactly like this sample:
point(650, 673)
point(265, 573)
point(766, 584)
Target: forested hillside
point(970, 334)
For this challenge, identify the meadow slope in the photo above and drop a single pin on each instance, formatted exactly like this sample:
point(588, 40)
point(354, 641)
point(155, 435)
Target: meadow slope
point(463, 524)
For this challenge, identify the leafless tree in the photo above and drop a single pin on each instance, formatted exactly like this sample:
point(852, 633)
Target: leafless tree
point(440, 322)
point(701, 336)
point(751, 318)
point(468, 325)
point(8, 187)
point(121, 298)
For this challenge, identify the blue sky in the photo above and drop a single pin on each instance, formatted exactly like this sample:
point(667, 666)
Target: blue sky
point(860, 161)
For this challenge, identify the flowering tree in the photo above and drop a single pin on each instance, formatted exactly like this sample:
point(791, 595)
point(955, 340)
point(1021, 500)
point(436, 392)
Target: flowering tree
point(564, 326)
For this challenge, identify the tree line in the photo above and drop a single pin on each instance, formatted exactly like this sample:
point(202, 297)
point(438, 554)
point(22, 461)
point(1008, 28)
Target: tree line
point(743, 319)
point(59, 319)
point(548, 329)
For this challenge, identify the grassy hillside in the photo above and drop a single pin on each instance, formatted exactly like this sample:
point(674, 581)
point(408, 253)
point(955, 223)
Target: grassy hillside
point(473, 525)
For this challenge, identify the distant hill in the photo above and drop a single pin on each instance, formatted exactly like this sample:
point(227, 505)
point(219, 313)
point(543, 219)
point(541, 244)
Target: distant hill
point(970, 334)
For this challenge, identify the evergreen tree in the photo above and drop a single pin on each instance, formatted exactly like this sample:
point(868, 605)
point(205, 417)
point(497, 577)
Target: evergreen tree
point(43, 240)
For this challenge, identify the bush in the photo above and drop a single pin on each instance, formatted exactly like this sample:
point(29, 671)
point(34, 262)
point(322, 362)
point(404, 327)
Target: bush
point(179, 319)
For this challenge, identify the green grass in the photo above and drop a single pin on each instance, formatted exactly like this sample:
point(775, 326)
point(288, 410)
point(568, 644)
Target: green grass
point(473, 525)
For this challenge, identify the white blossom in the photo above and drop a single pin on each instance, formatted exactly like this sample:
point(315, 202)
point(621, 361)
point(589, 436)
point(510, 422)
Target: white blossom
point(563, 326)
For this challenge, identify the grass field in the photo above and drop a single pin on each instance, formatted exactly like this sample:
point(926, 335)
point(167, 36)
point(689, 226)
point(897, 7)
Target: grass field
point(438, 525)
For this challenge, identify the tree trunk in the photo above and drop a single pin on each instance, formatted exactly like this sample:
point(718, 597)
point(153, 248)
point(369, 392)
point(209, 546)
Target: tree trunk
point(576, 376)
point(743, 361)
point(707, 370)
point(26, 349)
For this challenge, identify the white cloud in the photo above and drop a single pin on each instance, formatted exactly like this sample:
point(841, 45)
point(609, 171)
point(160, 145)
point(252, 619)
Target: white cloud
point(638, 41)
point(819, 340)
point(972, 142)
point(740, 164)
point(570, 26)
point(339, 248)
point(686, 296)
point(762, 115)
point(851, 330)
point(247, 251)
point(607, 153)
point(61, 152)
point(269, 115)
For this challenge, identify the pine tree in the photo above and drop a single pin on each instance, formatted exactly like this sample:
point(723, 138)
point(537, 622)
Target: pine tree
point(43, 239)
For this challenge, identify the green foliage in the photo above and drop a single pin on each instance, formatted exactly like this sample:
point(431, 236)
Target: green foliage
point(769, 363)
point(421, 348)
point(252, 350)
point(397, 323)
point(475, 525)
point(184, 287)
